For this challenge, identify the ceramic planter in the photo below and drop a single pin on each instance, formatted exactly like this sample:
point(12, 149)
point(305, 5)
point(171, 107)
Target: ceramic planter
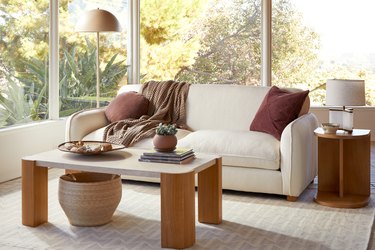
point(164, 143)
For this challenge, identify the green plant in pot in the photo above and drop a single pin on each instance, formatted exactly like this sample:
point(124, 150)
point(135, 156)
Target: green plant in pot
point(165, 139)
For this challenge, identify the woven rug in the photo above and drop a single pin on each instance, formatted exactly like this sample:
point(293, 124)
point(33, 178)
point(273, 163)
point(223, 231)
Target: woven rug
point(250, 221)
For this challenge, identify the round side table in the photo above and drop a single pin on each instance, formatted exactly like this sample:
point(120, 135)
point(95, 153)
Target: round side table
point(343, 168)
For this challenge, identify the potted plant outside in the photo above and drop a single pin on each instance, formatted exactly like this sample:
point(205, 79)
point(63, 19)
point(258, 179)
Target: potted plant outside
point(165, 139)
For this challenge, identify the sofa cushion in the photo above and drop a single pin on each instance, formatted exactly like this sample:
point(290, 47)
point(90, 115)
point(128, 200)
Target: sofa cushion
point(238, 148)
point(127, 105)
point(278, 109)
point(223, 106)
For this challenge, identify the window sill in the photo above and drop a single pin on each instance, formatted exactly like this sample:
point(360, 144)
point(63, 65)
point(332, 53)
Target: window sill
point(31, 125)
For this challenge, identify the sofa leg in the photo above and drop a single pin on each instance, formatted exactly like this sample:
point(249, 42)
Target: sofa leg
point(291, 198)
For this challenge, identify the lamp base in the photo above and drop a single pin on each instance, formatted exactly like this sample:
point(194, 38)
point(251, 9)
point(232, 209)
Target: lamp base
point(343, 117)
point(335, 116)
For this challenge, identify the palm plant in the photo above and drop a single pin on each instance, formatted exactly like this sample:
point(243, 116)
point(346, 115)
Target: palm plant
point(78, 78)
point(25, 98)
point(35, 82)
point(15, 106)
point(78, 75)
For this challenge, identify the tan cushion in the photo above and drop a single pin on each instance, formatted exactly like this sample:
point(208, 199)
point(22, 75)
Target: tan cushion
point(238, 148)
point(127, 105)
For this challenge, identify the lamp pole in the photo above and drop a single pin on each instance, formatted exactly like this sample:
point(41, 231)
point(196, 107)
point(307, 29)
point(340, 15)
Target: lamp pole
point(98, 20)
point(97, 71)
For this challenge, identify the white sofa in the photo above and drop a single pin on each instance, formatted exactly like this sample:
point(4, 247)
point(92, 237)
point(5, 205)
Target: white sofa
point(219, 117)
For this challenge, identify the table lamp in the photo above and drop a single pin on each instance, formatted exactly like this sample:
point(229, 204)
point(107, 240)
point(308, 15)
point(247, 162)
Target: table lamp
point(98, 20)
point(344, 93)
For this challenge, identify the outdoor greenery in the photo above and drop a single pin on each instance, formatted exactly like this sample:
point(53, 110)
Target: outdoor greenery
point(24, 64)
point(220, 42)
point(78, 78)
point(200, 41)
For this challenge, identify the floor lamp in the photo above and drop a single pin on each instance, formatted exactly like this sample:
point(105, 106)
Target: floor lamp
point(98, 20)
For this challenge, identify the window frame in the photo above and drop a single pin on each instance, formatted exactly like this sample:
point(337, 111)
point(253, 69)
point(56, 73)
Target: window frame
point(53, 69)
point(133, 48)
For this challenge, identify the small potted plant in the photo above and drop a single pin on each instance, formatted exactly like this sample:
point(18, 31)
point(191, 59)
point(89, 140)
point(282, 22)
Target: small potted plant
point(165, 139)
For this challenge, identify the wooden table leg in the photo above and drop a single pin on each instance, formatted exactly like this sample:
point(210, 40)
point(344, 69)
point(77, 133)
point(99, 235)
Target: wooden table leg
point(177, 210)
point(34, 194)
point(341, 168)
point(210, 194)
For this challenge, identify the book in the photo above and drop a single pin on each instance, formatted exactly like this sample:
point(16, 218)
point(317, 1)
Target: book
point(178, 156)
point(172, 161)
point(177, 153)
point(166, 158)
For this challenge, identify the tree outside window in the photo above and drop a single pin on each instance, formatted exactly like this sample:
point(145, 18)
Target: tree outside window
point(219, 41)
point(24, 27)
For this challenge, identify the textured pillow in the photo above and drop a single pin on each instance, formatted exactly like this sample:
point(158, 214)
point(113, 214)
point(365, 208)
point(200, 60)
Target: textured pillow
point(278, 109)
point(127, 105)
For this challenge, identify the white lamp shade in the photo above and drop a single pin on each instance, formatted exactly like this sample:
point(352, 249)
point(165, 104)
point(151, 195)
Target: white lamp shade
point(98, 21)
point(345, 92)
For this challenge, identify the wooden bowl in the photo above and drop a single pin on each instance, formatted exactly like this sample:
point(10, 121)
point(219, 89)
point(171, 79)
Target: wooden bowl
point(330, 128)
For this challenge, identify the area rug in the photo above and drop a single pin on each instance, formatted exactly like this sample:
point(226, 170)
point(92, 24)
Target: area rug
point(250, 221)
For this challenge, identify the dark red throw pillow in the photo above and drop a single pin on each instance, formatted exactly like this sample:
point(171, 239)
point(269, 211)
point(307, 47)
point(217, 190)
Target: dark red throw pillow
point(127, 105)
point(278, 109)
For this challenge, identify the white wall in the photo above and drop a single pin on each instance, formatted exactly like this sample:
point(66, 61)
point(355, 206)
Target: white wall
point(27, 140)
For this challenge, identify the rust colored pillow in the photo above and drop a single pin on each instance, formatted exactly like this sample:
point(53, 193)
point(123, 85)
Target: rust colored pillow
point(278, 109)
point(127, 105)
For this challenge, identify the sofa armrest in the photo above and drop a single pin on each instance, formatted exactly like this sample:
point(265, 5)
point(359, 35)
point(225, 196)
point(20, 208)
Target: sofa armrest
point(298, 151)
point(84, 122)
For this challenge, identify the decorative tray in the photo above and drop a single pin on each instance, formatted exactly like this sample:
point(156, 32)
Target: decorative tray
point(89, 147)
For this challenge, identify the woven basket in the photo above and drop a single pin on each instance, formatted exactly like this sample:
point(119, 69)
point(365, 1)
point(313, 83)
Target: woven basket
point(89, 199)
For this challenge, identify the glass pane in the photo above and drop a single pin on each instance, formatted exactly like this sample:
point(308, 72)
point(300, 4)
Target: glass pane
point(24, 61)
point(77, 60)
point(314, 41)
point(201, 41)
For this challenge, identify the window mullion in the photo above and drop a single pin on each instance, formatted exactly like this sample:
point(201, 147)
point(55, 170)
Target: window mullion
point(53, 79)
point(266, 63)
point(133, 43)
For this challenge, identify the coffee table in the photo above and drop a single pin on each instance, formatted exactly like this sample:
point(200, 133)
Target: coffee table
point(177, 188)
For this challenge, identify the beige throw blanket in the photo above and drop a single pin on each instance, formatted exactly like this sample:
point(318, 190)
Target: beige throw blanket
point(167, 105)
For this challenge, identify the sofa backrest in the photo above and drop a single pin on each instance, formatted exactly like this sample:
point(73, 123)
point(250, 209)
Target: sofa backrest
point(223, 106)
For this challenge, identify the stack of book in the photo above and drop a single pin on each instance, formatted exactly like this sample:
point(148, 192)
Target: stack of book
point(178, 156)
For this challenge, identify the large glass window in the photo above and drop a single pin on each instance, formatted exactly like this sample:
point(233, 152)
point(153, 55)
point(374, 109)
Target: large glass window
point(77, 60)
point(325, 40)
point(201, 41)
point(24, 31)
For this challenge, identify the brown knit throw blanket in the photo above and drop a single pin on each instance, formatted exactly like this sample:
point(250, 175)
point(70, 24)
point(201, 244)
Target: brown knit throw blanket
point(167, 105)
